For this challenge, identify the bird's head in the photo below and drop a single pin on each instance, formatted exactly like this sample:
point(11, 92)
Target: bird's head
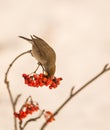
point(50, 70)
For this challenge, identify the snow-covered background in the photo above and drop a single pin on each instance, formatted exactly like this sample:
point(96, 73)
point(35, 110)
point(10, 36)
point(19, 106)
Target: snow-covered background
point(79, 32)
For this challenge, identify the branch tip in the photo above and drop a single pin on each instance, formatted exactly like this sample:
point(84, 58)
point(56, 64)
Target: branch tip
point(106, 68)
point(16, 100)
point(72, 90)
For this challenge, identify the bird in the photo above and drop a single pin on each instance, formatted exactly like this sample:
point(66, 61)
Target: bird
point(44, 54)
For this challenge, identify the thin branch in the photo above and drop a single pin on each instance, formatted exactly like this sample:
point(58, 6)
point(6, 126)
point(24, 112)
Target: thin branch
point(72, 90)
point(16, 100)
point(8, 85)
point(20, 125)
point(105, 69)
point(30, 120)
point(26, 102)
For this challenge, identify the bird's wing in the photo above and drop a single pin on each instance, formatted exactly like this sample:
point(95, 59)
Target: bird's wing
point(45, 49)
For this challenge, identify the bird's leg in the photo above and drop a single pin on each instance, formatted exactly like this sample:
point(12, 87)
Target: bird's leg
point(43, 69)
point(35, 69)
point(41, 66)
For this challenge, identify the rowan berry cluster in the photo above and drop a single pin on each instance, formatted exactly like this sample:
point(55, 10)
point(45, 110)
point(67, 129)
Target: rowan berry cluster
point(39, 80)
point(28, 108)
point(49, 116)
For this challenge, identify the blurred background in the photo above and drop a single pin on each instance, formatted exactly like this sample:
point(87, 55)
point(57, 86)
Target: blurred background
point(79, 33)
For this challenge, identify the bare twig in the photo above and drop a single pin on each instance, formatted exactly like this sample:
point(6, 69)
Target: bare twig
point(13, 103)
point(72, 90)
point(105, 69)
point(16, 100)
point(26, 102)
point(30, 120)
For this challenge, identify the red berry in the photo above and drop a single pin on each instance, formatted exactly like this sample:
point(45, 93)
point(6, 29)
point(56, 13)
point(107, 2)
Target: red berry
point(24, 75)
point(41, 75)
point(44, 79)
point(35, 76)
point(47, 116)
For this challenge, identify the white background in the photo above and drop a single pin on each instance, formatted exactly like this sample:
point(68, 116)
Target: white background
point(79, 32)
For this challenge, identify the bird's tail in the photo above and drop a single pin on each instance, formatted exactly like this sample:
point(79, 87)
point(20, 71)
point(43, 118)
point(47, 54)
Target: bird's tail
point(25, 38)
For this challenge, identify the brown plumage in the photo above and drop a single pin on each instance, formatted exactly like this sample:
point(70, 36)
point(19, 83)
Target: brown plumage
point(43, 53)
